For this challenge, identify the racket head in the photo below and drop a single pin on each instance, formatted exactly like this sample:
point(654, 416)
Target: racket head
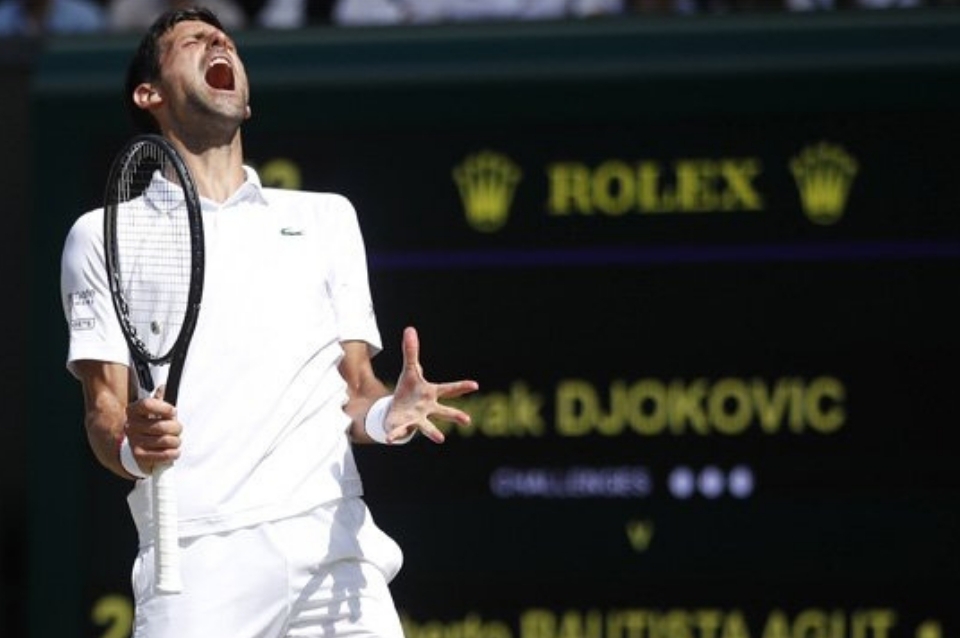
point(153, 241)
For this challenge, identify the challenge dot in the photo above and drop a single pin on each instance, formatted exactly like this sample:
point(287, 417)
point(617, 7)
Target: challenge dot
point(740, 481)
point(682, 483)
point(711, 482)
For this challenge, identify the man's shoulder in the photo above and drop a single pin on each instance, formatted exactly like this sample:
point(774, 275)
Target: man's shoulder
point(88, 223)
point(305, 198)
point(325, 205)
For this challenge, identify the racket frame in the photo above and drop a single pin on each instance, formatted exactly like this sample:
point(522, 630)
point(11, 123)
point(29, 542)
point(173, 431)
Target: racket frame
point(166, 551)
point(177, 353)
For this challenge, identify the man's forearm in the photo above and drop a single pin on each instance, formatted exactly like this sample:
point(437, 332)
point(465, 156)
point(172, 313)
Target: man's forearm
point(105, 433)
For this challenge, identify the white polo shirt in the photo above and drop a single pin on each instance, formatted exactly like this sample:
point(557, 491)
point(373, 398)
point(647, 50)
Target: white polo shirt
point(261, 399)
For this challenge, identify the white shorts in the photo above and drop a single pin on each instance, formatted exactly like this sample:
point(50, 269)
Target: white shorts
point(324, 573)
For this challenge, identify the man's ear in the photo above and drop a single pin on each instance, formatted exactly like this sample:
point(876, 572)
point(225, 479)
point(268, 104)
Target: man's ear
point(146, 96)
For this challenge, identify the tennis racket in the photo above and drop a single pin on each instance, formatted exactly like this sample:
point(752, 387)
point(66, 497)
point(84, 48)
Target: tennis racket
point(153, 241)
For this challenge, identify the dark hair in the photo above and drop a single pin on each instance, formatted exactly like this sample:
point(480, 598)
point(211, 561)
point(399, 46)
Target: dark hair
point(145, 64)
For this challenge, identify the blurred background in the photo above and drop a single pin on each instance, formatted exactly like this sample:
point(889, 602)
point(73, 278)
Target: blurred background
point(701, 255)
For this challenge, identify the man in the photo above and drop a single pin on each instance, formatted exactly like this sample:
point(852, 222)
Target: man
point(274, 535)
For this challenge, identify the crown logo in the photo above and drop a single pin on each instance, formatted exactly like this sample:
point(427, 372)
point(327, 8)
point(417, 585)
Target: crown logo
point(487, 181)
point(824, 173)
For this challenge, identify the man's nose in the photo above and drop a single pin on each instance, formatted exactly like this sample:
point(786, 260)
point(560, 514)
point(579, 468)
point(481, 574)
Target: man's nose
point(218, 40)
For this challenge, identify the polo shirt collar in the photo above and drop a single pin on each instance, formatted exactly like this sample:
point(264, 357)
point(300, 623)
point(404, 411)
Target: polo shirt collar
point(250, 192)
point(165, 196)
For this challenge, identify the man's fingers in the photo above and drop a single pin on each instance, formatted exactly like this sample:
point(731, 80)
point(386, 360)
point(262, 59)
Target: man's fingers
point(455, 389)
point(152, 408)
point(411, 348)
point(431, 431)
point(156, 427)
point(148, 458)
point(157, 444)
point(151, 418)
point(454, 415)
point(421, 397)
point(434, 434)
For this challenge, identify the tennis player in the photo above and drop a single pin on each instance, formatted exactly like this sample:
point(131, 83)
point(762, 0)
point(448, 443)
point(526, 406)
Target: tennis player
point(275, 537)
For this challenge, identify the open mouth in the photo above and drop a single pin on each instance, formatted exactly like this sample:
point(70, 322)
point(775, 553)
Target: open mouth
point(219, 75)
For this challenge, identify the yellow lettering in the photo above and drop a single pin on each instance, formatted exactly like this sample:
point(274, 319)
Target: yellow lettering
point(634, 623)
point(811, 623)
point(741, 193)
point(735, 625)
point(824, 404)
point(538, 623)
point(929, 629)
point(115, 613)
point(877, 623)
point(577, 408)
point(611, 424)
point(697, 185)
point(472, 626)
point(675, 623)
point(640, 534)
point(777, 626)
point(686, 406)
point(647, 408)
point(516, 413)
point(648, 189)
point(573, 624)
point(821, 623)
point(495, 420)
point(569, 188)
point(613, 188)
point(708, 622)
point(771, 406)
point(730, 407)
point(281, 173)
point(796, 405)
point(691, 185)
point(704, 622)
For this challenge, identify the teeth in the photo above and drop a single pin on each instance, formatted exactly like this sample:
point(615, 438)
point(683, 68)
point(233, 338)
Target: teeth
point(219, 74)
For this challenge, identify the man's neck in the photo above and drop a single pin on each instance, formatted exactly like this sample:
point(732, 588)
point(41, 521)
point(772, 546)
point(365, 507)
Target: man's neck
point(217, 170)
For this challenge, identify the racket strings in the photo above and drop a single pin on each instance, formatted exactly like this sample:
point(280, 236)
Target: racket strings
point(153, 249)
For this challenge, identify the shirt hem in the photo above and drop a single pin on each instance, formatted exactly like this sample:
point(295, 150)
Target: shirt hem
point(228, 522)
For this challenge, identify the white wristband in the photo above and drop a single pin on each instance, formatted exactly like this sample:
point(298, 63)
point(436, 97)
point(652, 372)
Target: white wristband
point(376, 420)
point(128, 462)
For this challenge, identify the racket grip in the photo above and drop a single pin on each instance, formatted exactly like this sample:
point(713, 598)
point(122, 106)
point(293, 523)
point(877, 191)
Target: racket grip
point(167, 551)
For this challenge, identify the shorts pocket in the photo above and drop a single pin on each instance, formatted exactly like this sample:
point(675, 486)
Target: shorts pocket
point(378, 548)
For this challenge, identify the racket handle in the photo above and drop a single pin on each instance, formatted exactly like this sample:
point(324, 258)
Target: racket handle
point(167, 551)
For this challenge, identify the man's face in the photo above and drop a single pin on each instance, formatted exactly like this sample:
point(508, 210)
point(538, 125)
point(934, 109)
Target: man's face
point(201, 75)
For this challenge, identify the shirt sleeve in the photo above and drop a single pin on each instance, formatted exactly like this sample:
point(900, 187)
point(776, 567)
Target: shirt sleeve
point(91, 319)
point(349, 280)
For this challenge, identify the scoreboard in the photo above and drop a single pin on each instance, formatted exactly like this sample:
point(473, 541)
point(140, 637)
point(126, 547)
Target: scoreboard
point(710, 308)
